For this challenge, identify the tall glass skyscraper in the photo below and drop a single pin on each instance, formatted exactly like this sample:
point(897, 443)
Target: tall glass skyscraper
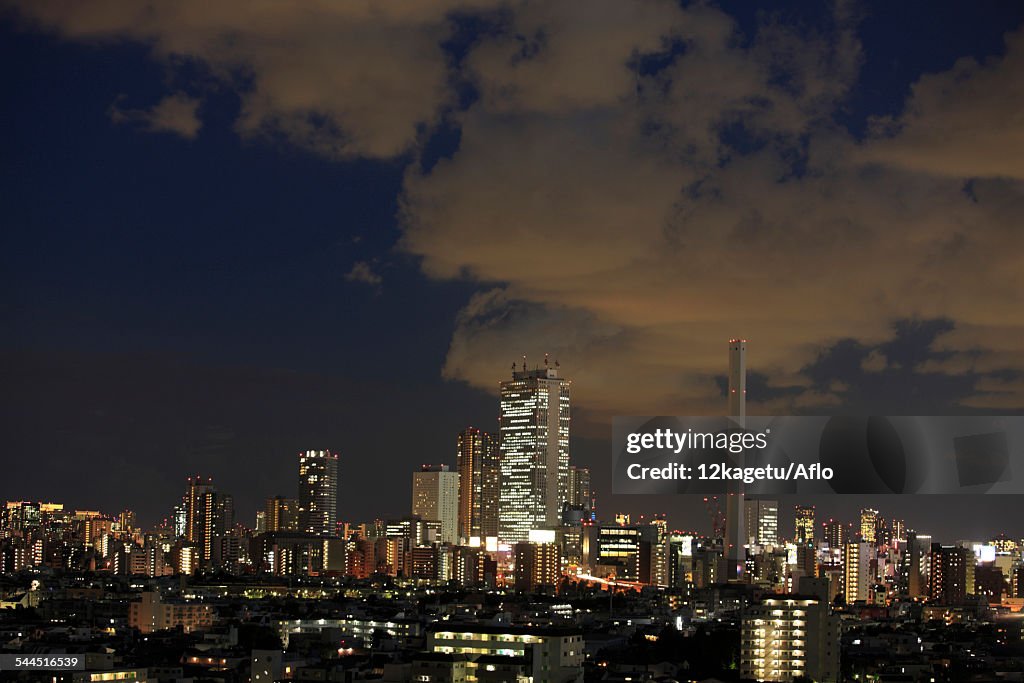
point(318, 492)
point(534, 426)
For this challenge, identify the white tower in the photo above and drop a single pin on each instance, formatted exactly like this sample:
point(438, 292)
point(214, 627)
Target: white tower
point(534, 424)
point(734, 553)
point(738, 380)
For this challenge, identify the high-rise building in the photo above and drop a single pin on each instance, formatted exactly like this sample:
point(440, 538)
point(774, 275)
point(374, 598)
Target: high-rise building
point(868, 525)
point(195, 501)
point(916, 563)
point(580, 494)
point(835, 534)
point(208, 514)
point(536, 565)
point(660, 552)
point(734, 553)
point(632, 552)
point(762, 521)
point(179, 518)
point(318, 492)
point(856, 571)
point(788, 637)
point(534, 426)
point(281, 514)
point(950, 574)
point(804, 524)
point(225, 514)
point(883, 532)
point(435, 496)
point(477, 462)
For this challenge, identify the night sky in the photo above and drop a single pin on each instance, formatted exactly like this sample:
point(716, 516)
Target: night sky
point(237, 230)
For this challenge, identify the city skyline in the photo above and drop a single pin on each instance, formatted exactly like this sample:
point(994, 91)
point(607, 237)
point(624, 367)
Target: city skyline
point(685, 507)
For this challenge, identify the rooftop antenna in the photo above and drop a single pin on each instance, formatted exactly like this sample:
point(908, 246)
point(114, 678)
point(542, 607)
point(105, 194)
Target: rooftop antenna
point(545, 360)
point(524, 362)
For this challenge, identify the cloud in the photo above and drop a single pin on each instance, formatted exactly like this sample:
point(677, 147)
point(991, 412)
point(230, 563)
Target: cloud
point(917, 369)
point(634, 229)
point(177, 113)
point(964, 122)
point(344, 79)
point(635, 184)
point(363, 272)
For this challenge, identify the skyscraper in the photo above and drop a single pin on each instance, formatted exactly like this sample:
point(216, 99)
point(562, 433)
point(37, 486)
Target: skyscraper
point(856, 571)
point(762, 521)
point(281, 514)
point(435, 496)
point(534, 427)
point(580, 493)
point(479, 471)
point(208, 514)
point(196, 500)
point(950, 574)
point(835, 533)
point(318, 492)
point(899, 530)
point(804, 524)
point(735, 555)
point(868, 524)
point(536, 565)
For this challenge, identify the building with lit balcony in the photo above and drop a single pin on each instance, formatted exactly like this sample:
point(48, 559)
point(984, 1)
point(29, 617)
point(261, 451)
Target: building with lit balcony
point(788, 637)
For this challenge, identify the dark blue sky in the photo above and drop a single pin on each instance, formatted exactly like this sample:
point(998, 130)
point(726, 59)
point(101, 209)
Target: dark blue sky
point(174, 306)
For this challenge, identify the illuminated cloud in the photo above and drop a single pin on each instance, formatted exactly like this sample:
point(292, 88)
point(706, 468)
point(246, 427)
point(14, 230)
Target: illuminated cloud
point(363, 272)
point(177, 113)
point(965, 122)
point(344, 79)
point(634, 232)
point(636, 184)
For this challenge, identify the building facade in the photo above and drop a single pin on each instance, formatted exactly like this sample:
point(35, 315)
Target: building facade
point(789, 637)
point(762, 521)
point(804, 524)
point(318, 492)
point(534, 428)
point(477, 458)
point(435, 496)
point(550, 655)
